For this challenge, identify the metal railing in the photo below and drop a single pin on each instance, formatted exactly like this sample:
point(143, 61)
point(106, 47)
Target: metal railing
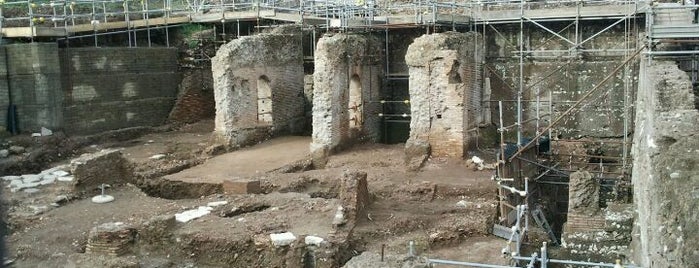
point(70, 13)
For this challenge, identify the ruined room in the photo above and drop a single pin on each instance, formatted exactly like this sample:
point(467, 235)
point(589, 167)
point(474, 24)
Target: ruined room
point(354, 134)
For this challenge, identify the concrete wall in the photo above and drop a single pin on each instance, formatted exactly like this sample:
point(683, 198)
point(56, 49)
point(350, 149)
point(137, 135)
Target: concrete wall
point(113, 88)
point(34, 75)
point(573, 75)
point(4, 94)
point(444, 83)
point(348, 71)
point(241, 70)
point(87, 90)
point(665, 174)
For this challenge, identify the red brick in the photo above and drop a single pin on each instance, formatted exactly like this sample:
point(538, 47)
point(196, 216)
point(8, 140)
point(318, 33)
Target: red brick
point(242, 187)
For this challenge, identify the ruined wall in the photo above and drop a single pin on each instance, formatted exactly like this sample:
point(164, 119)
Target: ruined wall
point(195, 100)
point(665, 173)
point(4, 93)
point(34, 80)
point(113, 88)
point(550, 68)
point(592, 232)
point(347, 78)
point(258, 87)
point(443, 75)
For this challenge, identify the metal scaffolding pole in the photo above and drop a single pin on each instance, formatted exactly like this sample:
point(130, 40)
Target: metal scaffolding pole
point(521, 74)
point(582, 99)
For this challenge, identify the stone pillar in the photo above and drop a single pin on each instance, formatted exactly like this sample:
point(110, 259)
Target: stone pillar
point(583, 194)
point(347, 77)
point(444, 85)
point(258, 87)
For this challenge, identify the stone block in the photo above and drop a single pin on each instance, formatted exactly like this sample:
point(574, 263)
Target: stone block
point(354, 196)
point(156, 230)
point(416, 154)
point(282, 239)
point(242, 187)
point(112, 239)
point(583, 194)
point(107, 166)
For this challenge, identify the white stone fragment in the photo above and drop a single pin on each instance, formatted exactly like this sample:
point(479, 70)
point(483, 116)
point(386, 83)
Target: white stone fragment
point(4, 153)
point(26, 185)
point(216, 203)
point(462, 203)
point(282, 239)
point(675, 175)
point(313, 240)
point(29, 178)
point(46, 132)
point(36, 134)
point(157, 156)
point(192, 214)
point(15, 183)
point(101, 199)
point(60, 173)
point(339, 218)
point(49, 179)
point(65, 179)
point(30, 190)
point(11, 178)
point(50, 170)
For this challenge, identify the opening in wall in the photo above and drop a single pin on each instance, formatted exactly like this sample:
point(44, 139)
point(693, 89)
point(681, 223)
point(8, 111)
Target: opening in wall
point(355, 102)
point(264, 101)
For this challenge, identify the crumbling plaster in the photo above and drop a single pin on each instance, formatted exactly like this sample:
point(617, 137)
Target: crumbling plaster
point(443, 72)
point(665, 173)
point(339, 59)
point(238, 68)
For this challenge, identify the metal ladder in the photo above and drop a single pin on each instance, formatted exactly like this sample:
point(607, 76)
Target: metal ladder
point(540, 220)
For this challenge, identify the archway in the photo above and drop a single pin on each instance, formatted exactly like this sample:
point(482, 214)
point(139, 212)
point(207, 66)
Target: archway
point(354, 106)
point(264, 101)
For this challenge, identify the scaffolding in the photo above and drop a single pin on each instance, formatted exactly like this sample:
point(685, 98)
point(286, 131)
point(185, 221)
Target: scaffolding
point(560, 20)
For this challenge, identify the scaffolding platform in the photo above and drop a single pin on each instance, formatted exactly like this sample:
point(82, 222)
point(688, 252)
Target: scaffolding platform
point(57, 20)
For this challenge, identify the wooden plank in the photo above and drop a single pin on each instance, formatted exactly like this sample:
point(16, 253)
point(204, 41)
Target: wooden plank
point(37, 31)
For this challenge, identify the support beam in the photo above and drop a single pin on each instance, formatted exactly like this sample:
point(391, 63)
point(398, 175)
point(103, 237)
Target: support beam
point(550, 31)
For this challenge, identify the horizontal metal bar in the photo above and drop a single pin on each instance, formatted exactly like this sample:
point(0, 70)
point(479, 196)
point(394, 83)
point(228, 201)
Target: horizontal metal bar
point(468, 264)
point(599, 264)
point(683, 52)
point(593, 156)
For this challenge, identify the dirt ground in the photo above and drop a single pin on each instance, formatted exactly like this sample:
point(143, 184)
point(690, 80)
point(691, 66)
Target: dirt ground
point(405, 206)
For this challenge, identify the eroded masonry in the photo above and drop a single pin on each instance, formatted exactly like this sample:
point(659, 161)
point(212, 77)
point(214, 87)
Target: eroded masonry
point(337, 134)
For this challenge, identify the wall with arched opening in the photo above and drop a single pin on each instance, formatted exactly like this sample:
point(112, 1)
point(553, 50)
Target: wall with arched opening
point(259, 88)
point(348, 74)
point(444, 82)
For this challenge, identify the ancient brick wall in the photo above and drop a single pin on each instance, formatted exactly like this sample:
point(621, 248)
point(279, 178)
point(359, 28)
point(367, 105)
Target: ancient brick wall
point(444, 82)
point(347, 78)
point(258, 87)
point(196, 97)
